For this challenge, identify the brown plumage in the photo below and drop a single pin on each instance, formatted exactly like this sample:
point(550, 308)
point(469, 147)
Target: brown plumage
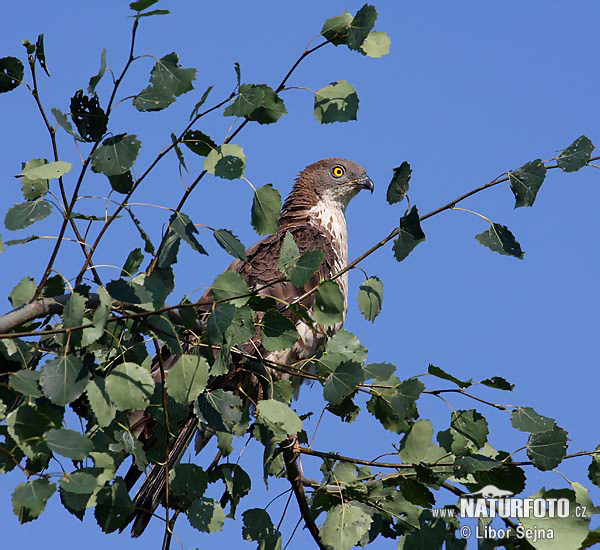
point(314, 215)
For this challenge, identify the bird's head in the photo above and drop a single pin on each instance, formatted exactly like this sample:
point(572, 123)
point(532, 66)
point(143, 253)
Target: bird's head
point(335, 179)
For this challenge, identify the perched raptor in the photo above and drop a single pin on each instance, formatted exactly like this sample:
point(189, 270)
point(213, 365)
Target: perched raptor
point(314, 215)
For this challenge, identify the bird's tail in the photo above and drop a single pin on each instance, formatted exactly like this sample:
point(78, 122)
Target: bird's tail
point(152, 489)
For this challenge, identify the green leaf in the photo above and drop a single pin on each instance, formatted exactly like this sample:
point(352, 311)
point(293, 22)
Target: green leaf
point(257, 102)
point(79, 483)
point(187, 482)
point(547, 449)
point(198, 142)
point(63, 379)
point(298, 268)
point(132, 263)
point(526, 419)
point(347, 345)
point(417, 442)
point(130, 386)
point(54, 286)
point(439, 373)
point(96, 78)
point(230, 243)
point(377, 44)
point(69, 443)
point(288, 254)
point(342, 382)
point(99, 318)
point(337, 102)
point(63, 121)
point(237, 484)
point(27, 424)
point(345, 526)
point(417, 493)
point(47, 171)
point(26, 213)
point(500, 239)
point(40, 54)
point(89, 118)
point(279, 332)
point(33, 188)
point(184, 228)
point(226, 161)
point(526, 182)
point(471, 425)
point(410, 234)
point(329, 304)
point(73, 313)
point(29, 499)
point(465, 465)
point(116, 155)
point(218, 323)
point(206, 515)
point(399, 185)
point(178, 152)
point(266, 208)
point(508, 477)
point(187, 378)
point(361, 26)
point(498, 383)
point(222, 411)
point(228, 286)
point(404, 398)
point(102, 407)
point(11, 73)
point(114, 507)
point(148, 246)
point(23, 292)
point(576, 155)
point(305, 267)
point(370, 298)
point(168, 81)
point(204, 97)
point(278, 418)
point(594, 470)
point(258, 527)
point(335, 29)
point(121, 183)
point(26, 382)
point(141, 5)
point(379, 371)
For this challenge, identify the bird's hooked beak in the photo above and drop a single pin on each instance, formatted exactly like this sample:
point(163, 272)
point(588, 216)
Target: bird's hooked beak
point(366, 183)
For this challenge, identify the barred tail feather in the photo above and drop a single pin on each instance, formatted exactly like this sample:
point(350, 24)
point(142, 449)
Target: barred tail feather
point(152, 490)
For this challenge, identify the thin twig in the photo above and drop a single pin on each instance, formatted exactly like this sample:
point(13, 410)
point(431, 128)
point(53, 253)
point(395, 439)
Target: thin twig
point(86, 163)
point(52, 132)
point(463, 392)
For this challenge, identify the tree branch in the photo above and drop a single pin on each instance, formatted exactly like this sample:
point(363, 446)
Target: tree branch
point(290, 452)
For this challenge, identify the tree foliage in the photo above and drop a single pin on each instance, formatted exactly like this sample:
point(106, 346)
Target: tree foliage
point(89, 349)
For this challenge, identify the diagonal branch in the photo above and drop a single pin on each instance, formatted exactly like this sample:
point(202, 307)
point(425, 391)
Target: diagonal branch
point(290, 454)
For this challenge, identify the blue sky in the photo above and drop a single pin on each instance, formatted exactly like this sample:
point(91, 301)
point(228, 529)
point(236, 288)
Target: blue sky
point(470, 90)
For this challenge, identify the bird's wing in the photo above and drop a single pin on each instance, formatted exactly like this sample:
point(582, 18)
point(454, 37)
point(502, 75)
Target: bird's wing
point(260, 272)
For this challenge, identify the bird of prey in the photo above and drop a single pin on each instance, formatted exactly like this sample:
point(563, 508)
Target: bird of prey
point(314, 215)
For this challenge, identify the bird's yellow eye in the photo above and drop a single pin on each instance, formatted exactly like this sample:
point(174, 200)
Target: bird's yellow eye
point(338, 171)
